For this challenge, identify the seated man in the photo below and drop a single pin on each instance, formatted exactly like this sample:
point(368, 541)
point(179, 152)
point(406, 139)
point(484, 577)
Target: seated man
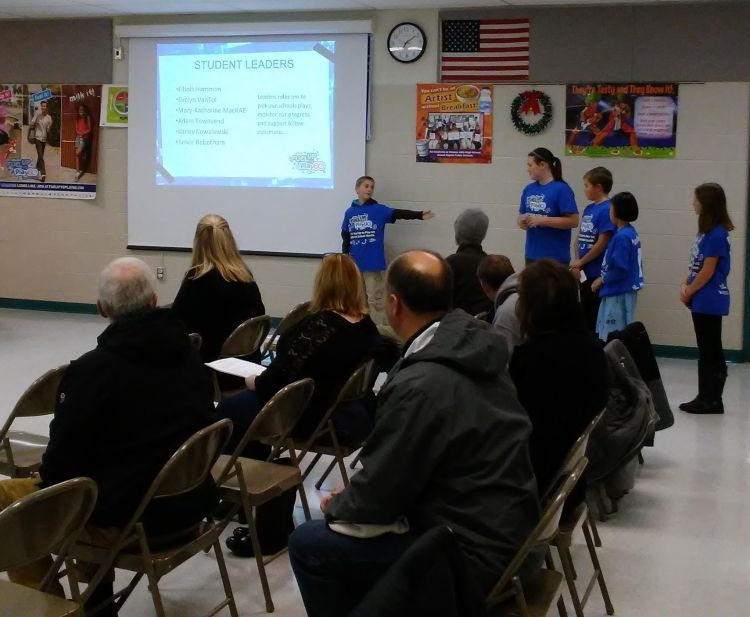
point(124, 408)
point(470, 228)
point(500, 284)
point(449, 447)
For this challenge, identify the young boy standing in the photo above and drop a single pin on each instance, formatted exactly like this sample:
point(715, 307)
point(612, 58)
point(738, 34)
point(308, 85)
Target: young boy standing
point(594, 234)
point(363, 236)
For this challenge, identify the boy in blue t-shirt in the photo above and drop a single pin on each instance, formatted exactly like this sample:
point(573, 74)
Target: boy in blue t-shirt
point(622, 269)
point(594, 234)
point(363, 237)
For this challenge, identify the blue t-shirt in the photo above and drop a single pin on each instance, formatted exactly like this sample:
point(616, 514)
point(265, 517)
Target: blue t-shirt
point(366, 227)
point(622, 268)
point(552, 199)
point(713, 297)
point(594, 222)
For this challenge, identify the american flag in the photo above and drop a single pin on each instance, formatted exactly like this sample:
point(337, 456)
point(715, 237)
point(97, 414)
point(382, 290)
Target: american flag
point(485, 50)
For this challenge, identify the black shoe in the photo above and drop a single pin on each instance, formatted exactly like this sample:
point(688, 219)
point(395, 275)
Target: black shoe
point(240, 543)
point(696, 403)
point(705, 407)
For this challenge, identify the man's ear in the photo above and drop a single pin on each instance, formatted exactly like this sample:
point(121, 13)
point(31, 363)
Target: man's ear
point(488, 291)
point(101, 310)
point(154, 300)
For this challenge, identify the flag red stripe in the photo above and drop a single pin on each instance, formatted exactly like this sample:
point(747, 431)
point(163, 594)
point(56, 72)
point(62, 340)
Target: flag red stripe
point(516, 48)
point(515, 39)
point(469, 67)
point(485, 33)
point(488, 60)
point(486, 78)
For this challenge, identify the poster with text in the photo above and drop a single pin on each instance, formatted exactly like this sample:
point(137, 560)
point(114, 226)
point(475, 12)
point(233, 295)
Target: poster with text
point(454, 123)
point(114, 111)
point(49, 140)
point(621, 120)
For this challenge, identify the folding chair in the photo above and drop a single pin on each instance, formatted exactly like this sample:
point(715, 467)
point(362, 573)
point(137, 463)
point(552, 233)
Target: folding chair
point(580, 518)
point(291, 319)
point(21, 452)
point(324, 439)
point(37, 525)
point(535, 596)
point(249, 483)
point(245, 340)
point(186, 469)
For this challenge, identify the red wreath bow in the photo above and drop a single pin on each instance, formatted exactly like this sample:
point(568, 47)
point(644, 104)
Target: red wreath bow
point(531, 103)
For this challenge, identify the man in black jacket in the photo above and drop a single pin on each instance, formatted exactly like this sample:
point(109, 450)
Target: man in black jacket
point(125, 407)
point(450, 447)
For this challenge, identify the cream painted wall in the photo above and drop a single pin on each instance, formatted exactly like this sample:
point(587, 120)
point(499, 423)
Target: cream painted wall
point(53, 250)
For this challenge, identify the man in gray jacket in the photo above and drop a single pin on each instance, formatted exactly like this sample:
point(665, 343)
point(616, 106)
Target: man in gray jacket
point(449, 447)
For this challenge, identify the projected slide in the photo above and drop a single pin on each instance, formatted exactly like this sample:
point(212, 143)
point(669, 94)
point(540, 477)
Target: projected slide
point(254, 114)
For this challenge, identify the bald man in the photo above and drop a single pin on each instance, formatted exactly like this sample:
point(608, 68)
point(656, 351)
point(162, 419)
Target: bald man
point(449, 447)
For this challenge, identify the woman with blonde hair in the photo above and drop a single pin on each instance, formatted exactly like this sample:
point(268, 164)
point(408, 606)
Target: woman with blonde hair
point(327, 345)
point(218, 292)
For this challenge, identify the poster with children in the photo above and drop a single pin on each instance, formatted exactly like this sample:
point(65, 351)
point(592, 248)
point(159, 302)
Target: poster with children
point(49, 140)
point(454, 123)
point(621, 120)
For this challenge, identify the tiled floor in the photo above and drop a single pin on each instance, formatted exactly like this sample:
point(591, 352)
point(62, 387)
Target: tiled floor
point(678, 547)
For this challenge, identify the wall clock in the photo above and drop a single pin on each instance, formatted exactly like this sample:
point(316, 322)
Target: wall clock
point(407, 42)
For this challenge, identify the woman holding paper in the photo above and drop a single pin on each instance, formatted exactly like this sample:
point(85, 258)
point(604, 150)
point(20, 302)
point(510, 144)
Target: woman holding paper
point(327, 345)
point(218, 292)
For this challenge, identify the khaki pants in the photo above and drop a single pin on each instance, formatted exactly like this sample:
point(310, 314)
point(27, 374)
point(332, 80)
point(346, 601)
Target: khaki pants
point(375, 290)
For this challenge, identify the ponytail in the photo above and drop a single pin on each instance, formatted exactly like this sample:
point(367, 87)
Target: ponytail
point(542, 155)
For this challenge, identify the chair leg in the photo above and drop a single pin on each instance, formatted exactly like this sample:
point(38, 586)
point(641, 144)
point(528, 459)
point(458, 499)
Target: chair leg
point(259, 558)
point(303, 501)
point(562, 611)
point(225, 579)
point(567, 566)
point(326, 473)
point(153, 580)
point(594, 530)
point(598, 569)
point(523, 608)
point(311, 465)
point(339, 457)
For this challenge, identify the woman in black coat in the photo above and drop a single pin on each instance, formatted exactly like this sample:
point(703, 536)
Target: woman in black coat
point(559, 371)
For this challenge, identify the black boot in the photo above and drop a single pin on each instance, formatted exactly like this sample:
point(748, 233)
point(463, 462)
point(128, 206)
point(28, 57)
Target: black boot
point(703, 389)
point(712, 403)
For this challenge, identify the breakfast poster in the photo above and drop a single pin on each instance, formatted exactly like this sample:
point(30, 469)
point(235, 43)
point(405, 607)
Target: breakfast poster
point(454, 123)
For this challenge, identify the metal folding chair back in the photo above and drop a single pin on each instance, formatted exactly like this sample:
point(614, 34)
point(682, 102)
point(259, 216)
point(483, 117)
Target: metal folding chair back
point(356, 387)
point(21, 452)
point(249, 483)
point(273, 423)
point(45, 522)
point(246, 338)
point(185, 470)
point(536, 596)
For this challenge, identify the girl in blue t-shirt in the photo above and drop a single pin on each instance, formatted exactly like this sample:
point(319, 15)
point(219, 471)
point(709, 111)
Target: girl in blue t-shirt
point(548, 210)
point(622, 269)
point(705, 292)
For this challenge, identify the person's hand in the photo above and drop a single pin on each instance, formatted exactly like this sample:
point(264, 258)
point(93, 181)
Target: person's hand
point(250, 382)
point(597, 284)
point(576, 272)
point(576, 265)
point(535, 221)
point(324, 503)
point(427, 215)
point(523, 222)
point(685, 295)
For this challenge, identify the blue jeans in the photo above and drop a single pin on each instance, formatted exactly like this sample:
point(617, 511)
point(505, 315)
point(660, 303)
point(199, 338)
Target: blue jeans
point(334, 572)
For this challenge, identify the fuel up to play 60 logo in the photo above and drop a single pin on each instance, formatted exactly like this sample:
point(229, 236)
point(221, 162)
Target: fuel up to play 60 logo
point(307, 162)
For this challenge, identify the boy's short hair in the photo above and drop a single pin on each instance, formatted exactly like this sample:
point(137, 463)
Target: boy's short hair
point(601, 176)
point(361, 179)
point(625, 206)
point(493, 270)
